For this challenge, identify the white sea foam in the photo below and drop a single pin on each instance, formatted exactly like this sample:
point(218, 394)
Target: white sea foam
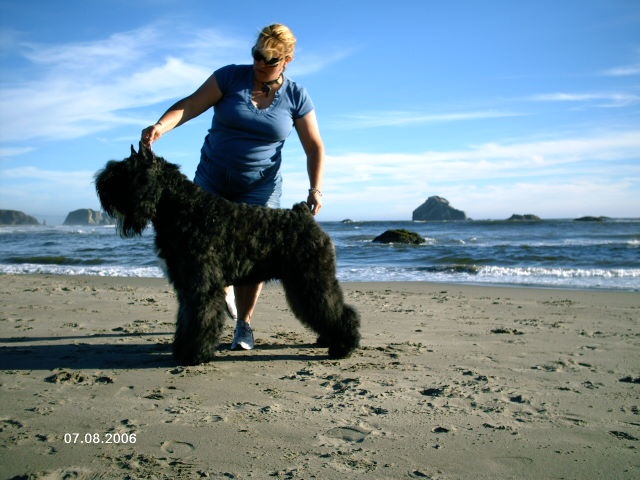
point(618, 279)
point(101, 271)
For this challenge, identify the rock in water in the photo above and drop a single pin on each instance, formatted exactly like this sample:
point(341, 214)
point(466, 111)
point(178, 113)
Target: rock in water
point(86, 216)
point(16, 217)
point(437, 209)
point(527, 217)
point(399, 236)
point(590, 218)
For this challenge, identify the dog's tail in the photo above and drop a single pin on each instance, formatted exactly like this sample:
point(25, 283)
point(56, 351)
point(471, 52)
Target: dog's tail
point(302, 208)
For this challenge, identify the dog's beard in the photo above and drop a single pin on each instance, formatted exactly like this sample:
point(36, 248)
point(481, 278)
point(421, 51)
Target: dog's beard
point(127, 226)
point(127, 229)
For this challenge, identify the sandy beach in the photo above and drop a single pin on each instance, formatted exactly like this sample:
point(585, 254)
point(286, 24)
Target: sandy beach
point(451, 382)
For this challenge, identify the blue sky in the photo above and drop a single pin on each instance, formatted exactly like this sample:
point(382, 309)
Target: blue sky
point(499, 106)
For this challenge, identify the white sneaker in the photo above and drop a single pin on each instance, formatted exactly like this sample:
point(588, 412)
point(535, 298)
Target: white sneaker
point(243, 336)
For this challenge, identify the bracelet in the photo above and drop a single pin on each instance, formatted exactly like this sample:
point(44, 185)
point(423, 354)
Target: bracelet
point(159, 123)
point(314, 191)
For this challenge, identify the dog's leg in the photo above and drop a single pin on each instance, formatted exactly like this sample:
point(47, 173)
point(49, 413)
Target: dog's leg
point(199, 326)
point(318, 302)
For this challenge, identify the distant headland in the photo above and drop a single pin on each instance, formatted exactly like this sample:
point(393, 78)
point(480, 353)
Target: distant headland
point(16, 217)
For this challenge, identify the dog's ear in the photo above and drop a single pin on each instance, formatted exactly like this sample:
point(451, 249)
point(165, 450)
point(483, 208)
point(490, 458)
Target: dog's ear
point(145, 154)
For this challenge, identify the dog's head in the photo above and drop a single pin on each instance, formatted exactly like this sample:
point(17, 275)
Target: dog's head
point(130, 189)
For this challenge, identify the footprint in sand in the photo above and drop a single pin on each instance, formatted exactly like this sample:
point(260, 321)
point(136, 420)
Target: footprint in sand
point(77, 378)
point(513, 462)
point(349, 434)
point(126, 392)
point(77, 473)
point(176, 448)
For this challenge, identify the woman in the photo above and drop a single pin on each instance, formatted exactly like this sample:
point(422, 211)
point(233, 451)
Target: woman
point(255, 108)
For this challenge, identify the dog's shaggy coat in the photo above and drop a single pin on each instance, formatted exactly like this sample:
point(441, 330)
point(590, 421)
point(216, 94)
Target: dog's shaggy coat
point(208, 242)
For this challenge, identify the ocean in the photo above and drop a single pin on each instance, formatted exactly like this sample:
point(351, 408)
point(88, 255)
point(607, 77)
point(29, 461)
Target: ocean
point(548, 253)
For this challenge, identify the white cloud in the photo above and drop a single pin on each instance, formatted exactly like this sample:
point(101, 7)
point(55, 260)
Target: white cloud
point(597, 175)
point(309, 62)
point(57, 177)
point(88, 87)
point(42, 192)
point(14, 152)
point(404, 118)
point(562, 199)
point(93, 58)
point(491, 160)
point(608, 99)
point(623, 71)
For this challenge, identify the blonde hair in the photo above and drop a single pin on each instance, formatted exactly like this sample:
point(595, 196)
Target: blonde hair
point(276, 41)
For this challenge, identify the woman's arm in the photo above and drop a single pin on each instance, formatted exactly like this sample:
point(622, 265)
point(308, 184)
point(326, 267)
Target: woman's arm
point(309, 134)
point(206, 96)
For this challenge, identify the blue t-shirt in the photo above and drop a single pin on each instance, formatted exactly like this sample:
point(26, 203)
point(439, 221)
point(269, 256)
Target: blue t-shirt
point(243, 137)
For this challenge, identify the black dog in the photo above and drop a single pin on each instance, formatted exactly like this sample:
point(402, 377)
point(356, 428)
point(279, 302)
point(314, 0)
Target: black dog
point(208, 242)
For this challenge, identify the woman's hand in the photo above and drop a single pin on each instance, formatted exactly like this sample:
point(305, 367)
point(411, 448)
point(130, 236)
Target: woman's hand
point(314, 200)
point(151, 134)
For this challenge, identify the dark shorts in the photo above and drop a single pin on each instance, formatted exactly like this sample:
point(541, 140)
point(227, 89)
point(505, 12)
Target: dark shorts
point(256, 187)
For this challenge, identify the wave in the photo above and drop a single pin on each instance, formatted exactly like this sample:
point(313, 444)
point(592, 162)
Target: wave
point(101, 271)
point(54, 260)
point(617, 279)
point(539, 272)
point(458, 268)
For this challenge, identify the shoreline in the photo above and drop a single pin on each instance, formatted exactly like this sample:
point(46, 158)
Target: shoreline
point(361, 282)
point(452, 381)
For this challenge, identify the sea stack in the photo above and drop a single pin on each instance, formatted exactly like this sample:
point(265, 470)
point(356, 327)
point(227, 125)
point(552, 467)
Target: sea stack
point(437, 209)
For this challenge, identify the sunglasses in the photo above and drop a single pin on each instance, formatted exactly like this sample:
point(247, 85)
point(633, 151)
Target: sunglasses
point(259, 57)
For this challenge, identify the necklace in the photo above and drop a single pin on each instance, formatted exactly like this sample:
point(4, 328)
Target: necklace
point(266, 86)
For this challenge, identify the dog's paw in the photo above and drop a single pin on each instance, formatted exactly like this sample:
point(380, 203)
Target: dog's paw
point(188, 357)
point(337, 351)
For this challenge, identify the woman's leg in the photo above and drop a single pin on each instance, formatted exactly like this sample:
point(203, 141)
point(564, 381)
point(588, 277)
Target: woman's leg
point(230, 299)
point(246, 299)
